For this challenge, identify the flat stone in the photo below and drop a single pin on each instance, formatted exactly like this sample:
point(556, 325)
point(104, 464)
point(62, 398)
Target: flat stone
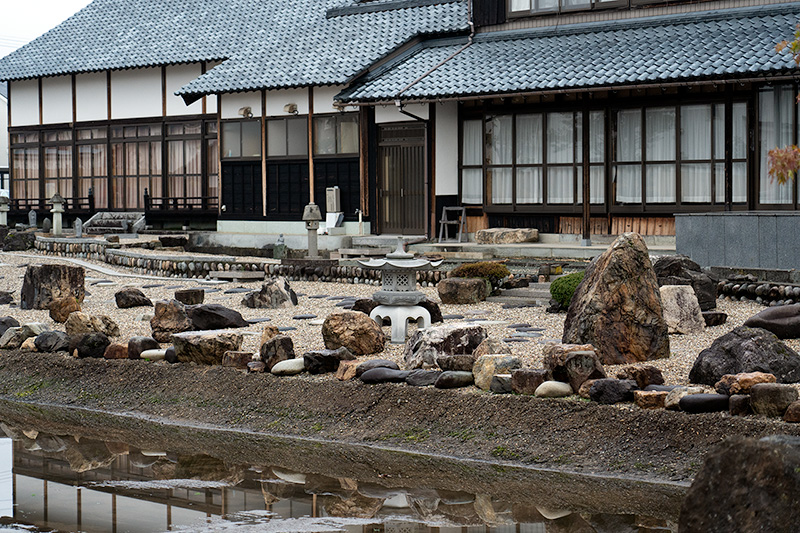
point(152, 286)
point(516, 339)
point(338, 297)
point(454, 380)
point(506, 235)
point(665, 388)
point(610, 391)
point(307, 316)
point(529, 329)
point(490, 365)
point(704, 403)
point(236, 359)
point(476, 320)
point(258, 320)
point(518, 306)
point(317, 296)
point(501, 384)
point(477, 312)
point(384, 375)
point(519, 325)
point(290, 367)
point(453, 317)
point(553, 389)
point(526, 334)
point(174, 287)
point(375, 363)
point(422, 378)
point(286, 328)
point(527, 380)
point(210, 291)
point(153, 355)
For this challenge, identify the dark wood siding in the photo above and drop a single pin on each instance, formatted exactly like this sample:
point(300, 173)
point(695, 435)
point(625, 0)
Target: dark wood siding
point(489, 12)
point(341, 172)
point(241, 188)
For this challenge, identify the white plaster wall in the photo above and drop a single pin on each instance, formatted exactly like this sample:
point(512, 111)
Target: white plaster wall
point(323, 99)
point(232, 102)
point(3, 132)
point(391, 114)
point(91, 96)
point(211, 103)
point(446, 149)
point(24, 102)
point(57, 99)
point(177, 77)
point(136, 93)
point(277, 99)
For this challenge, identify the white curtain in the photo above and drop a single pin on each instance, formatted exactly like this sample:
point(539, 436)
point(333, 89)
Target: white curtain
point(696, 132)
point(739, 140)
point(498, 140)
point(740, 182)
point(559, 185)
point(629, 135)
point(529, 139)
point(472, 154)
point(560, 130)
point(520, 5)
point(597, 135)
point(529, 185)
point(776, 118)
point(500, 179)
point(660, 181)
point(719, 182)
point(660, 138)
point(472, 186)
point(629, 184)
point(696, 182)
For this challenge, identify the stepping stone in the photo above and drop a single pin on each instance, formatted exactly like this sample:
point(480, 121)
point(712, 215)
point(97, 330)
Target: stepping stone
point(518, 306)
point(545, 341)
point(100, 281)
point(476, 320)
point(152, 286)
point(477, 312)
point(86, 294)
point(487, 322)
point(237, 290)
point(258, 320)
point(517, 326)
point(318, 296)
point(345, 303)
point(529, 329)
point(304, 317)
point(174, 287)
point(286, 328)
point(211, 281)
point(516, 339)
point(209, 291)
point(299, 294)
point(452, 317)
point(528, 334)
point(317, 322)
point(338, 297)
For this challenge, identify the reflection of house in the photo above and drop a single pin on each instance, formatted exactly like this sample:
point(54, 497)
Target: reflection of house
point(3, 136)
point(658, 107)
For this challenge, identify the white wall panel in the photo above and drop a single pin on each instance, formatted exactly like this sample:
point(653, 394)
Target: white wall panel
point(177, 77)
point(3, 133)
point(391, 114)
point(91, 96)
point(57, 99)
point(276, 100)
point(24, 102)
point(211, 103)
point(136, 93)
point(323, 99)
point(232, 102)
point(446, 149)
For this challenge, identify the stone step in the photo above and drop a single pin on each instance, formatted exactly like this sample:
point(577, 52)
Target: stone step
point(526, 292)
point(236, 274)
point(517, 300)
point(349, 253)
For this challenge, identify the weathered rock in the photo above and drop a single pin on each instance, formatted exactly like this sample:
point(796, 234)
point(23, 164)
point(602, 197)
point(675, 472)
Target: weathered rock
point(792, 413)
point(491, 345)
point(104, 324)
point(268, 332)
point(782, 320)
point(739, 405)
point(275, 293)
point(573, 367)
point(52, 341)
point(61, 308)
point(89, 344)
point(741, 383)
point(44, 283)
point(432, 308)
point(346, 370)
point(13, 337)
point(506, 235)
point(714, 318)
point(586, 388)
point(680, 270)
point(490, 365)
point(674, 397)
point(704, 403)
point(207, 317)
point(384, 375)
point(28, 345)
point(8, 322)
point(610, 391)
point(746, 350)
point(617, 306)
point(527, 380)
point(649, 399)
point(422, 378)
point(643, 375)
point(553, 389)
point(170, 317)
point(744, 485)
point(454, 380)
point(355, 331)
point(771, 399)
point(238, 360)
point(170, 356)
point(277, 349)
point(115, 351)
point(681, 310)
point(131, 297)
point(138, 344)
point(256, 366)
point(190, 296)
point(324, 361)
point(364, 305)
point(462, 290)
point(426, 345)
point(205, 347)
point(290, 367)
point(18, 241)
point(501, 384)
point(459, 362)
point(375, 363)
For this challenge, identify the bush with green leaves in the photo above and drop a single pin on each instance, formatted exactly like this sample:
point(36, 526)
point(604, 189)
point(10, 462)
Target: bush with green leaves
point(564, 287)
point(491, 271)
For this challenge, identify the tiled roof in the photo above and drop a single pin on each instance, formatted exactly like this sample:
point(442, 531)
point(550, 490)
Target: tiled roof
point(731, 43)
point(4, 89)
point(265, 43)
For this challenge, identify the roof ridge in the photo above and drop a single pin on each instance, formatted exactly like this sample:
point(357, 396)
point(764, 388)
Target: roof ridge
point(383, 6)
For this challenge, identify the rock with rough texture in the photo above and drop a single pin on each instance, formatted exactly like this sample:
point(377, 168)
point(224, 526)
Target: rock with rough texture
point(45, 283)
point(610, 391)
point(432, 308)
point(131, 297)
point(89, 344)
point(13, 338)
point(375, 363)
point(28, 345)
point(190, 296)
point(681, 310)
point(52, 341)
point(491, 345)
point(454, 380)
point(61, 308)
point(355, 331)
point(424, 346)
point(324, 361)
point(487, 366)
point(384, 375)
point(19, 241)
point(462, 290)
point(346, 370)
point(8, 322)
point(746, 350)
point(643, 375)
point(238, 360)
point(745, 485)
point(772, 399)
point(79, 322)
point(169, 355)
point(364, 305)
point(138, 344)
point(506, 235)
point(459, 362)
point(207, 317)
point(268, 332)
point(792, 413)
point(527, 380)
point(6, 297)
point(649, 399)
point(714, 318)
point(116, 351)
point(170, 317)
point(422, 378)
point(553, 389)
point(680, 270)
point(205, 347)
point(739, 405)
point(277, 349)
point(782, 320)
point(704, 403)
point(105, 324)
point(501, 384)
point(275, 293)
point(674, 397)
point(290, 367)
point(574, 367)
point(617, 306)
point(742, 383)
point(586, 388)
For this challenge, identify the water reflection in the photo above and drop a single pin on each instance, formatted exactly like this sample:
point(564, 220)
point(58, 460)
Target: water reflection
point(68, 483)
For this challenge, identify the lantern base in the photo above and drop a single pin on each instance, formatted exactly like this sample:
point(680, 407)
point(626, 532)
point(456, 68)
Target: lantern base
point(400, 315)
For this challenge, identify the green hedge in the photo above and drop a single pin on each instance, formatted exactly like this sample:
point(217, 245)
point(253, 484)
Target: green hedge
point(564, 287)
point(491, 271)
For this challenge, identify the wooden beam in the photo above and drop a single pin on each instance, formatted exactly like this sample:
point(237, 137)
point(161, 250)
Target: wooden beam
point(108, 95)
point(41, 107)
point(587, 174)
point(311, 145)
point(363, 162)
point(163, 90)
point(203, 71)
point(74, 101)
point(264, 152)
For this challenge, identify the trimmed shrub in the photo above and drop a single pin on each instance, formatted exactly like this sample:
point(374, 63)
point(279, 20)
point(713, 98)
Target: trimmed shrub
point(491, 271)
point(564, 287)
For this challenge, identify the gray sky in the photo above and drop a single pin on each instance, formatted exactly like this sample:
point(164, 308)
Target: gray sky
point(22, 21)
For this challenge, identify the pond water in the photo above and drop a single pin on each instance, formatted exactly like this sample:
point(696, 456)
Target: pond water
point(55, 481)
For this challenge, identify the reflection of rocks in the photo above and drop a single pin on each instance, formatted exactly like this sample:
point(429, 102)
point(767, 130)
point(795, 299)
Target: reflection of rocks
point(462, 513)
point(208, 468)
point(355, 507)
point(424, 502)
point(164, 469)
point(50, 443)
point(492, 513)
point(88, 454)
point(572, 523)
point(618, 523)
point(526, 513)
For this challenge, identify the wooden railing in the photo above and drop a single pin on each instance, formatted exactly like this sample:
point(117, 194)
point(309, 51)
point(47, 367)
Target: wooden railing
point(184, 204)
point(83, 204)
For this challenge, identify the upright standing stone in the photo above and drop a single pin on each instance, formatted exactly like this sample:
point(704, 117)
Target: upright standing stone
point(32, 218)
point(44, 283)
point(47, 226)
point(78, 225)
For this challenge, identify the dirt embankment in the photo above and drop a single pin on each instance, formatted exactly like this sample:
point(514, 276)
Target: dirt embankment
point(571, 435)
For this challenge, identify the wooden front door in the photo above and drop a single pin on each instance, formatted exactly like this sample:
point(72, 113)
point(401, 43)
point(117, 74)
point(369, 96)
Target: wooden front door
point(401, 179)
point(241, 188)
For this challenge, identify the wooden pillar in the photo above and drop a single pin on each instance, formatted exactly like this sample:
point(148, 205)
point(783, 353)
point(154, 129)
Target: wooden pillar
point(311, 145)
point(264, 152)
point(586, 239)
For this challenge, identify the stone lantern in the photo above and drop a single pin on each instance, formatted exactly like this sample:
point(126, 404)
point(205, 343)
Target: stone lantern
point(312, 216)
point(5, 207)
point(58, 208)
point(399, 296)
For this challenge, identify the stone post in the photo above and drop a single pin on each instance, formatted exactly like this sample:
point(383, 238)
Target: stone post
point(58, 209)
point(4, 209)
point(312, 216)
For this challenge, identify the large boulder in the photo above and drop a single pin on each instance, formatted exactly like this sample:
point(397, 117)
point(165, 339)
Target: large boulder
point(170, 317)
point(680, 270)
point(44, 283)
point(617, 306)
point(132, 297)
point(355, 331)
point(425, 346)
point(138, 344)
point(61, 308)
point(772, 399)
point(506, 235)
point(278, 348)
point(88, 344)
point(463, 290)
point(746, 350)
point(205, 347)
point(80, 322)
point(275, 293)
point(52, 341)
point(206, 317)
point(782, 320)
point(8, 322)
point(681, 310)
point(488, 366)
point(745, 485)
point(574, 367)
point(14, 337)
point(324, 361)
